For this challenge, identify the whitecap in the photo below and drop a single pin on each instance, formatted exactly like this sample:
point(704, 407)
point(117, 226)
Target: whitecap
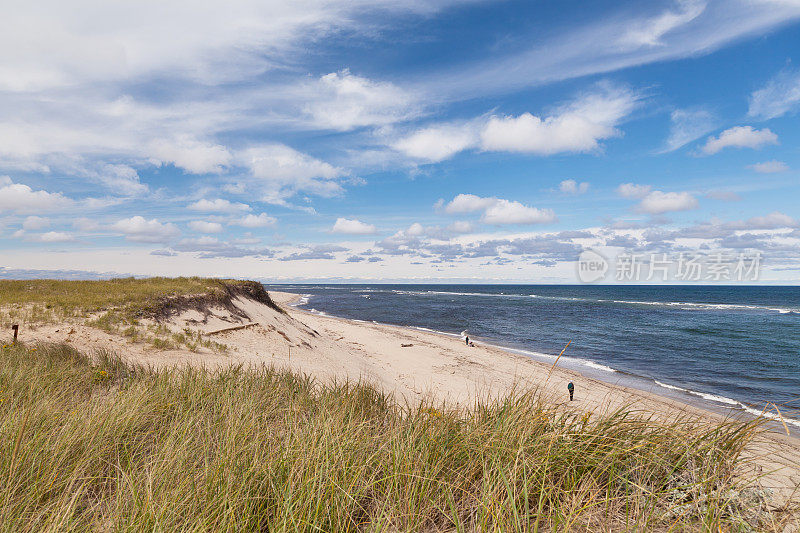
point(598, 366)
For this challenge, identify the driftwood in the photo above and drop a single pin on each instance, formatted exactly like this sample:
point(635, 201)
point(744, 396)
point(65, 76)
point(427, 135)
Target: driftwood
point(232, 328)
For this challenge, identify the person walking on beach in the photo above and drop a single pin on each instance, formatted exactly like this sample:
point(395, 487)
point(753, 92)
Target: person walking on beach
point(466, 340)
point(571, 389)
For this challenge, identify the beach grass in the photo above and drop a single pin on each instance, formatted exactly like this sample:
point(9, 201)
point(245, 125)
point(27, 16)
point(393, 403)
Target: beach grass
point(130, 307)
point(46, 300)
point(69, 298)
point(92, 443)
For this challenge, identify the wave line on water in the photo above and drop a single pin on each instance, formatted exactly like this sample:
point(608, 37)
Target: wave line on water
point(681, 305)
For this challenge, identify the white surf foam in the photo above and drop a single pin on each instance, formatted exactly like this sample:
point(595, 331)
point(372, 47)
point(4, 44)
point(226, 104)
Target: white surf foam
point(672, 387)
point(598, 366)
point(766, 413)
point(771, 414)
point(706, 396)
point(429, 330)
point(681, 305)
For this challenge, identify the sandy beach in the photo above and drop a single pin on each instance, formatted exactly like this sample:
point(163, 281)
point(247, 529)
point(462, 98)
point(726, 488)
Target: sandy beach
point(413, 365)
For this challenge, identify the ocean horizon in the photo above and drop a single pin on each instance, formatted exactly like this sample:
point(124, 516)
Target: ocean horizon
point(720, 347)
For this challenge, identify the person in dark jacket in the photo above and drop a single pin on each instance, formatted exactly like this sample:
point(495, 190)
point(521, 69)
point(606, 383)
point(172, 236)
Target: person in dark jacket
point(571, 389)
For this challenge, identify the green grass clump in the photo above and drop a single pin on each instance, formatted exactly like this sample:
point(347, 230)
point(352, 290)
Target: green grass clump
point(94, 444)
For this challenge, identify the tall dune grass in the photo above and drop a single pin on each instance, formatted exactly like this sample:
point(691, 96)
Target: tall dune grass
point(49, 300)
point(95, 444)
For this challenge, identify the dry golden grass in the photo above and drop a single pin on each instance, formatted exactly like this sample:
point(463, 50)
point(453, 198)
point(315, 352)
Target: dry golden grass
point(119, 305)
point(131, 296)
point(94, 444)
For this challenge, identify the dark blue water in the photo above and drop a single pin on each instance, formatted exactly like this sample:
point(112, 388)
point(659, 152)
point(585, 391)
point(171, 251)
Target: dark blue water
point(733, 346)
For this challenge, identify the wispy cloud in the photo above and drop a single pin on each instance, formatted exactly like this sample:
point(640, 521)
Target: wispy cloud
point(571, 186)
point(781, 95)
point(681, 29)
point(687, 125)
point(770, 167)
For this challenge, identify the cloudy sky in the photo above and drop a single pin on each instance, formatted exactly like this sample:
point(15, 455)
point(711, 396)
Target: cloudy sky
point(436, 140)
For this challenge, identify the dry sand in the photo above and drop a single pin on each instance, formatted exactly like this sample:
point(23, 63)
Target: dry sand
point(414, 365)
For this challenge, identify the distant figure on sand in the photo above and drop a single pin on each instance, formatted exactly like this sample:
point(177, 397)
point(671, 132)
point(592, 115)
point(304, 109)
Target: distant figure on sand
point(571, 389)
point(466, 340)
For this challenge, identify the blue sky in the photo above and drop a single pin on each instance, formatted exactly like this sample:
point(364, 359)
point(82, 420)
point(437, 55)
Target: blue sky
point(450, 140)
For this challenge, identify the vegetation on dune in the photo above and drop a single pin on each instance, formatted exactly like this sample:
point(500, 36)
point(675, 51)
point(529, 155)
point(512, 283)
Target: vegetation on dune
point(95, 444)
point(130, 297)
point(120, 305)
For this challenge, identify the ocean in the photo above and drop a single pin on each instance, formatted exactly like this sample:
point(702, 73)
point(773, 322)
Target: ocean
point(724, 347)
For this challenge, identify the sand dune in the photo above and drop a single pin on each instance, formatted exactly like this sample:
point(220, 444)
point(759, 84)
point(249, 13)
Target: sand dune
point(414, 365)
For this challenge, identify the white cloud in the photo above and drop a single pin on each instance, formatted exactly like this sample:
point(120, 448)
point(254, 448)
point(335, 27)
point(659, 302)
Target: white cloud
point(123, 179)
point(773, 220)
point(51, 236)
point(437, 143)
point(468, 203)
point(461, 226)
point(139, 229)
point(740, 137)
point(22, 199)
point(352, 227)
point(203, 226)
point(261, 220)
point(658, 202)
point(105, 138)
point(192, 155)
point(415, 229)
point(779, 96)
point(769, 167)
point(218, 205)
point(632, 190)
point(344, 101)
point(497, 211)
point(577, 127)
point(511, 212)
point(571, 186)
point(54, 47)
point(279, 168)
point(649, 32)
point(688, 125)
point(35, 223)
point(48, 237)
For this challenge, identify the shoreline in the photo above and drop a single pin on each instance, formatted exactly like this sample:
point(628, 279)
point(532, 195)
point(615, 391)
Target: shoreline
point(448, 370)
point(710, 403)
